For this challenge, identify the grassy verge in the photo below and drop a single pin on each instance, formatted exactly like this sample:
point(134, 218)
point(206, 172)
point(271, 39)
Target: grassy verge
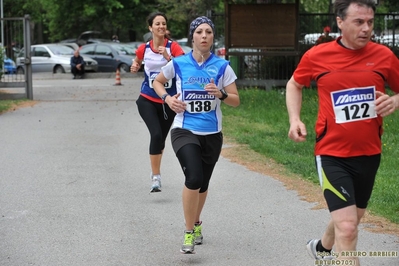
point(261, 122)
point(5, 105)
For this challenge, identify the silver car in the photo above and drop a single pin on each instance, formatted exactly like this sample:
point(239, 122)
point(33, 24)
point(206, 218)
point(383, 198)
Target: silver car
point(53, 58)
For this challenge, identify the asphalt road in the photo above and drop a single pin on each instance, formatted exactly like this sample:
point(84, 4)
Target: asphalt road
point(74, 191)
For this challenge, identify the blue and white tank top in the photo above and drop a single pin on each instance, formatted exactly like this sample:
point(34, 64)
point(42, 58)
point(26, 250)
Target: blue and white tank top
point(153, 62)
point(203, 115)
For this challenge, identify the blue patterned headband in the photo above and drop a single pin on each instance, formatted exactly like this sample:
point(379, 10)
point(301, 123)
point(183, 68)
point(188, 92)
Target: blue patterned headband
point(198, 21)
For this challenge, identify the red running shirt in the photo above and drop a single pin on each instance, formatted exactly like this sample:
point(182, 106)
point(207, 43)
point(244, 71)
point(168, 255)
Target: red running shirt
point(347, 124)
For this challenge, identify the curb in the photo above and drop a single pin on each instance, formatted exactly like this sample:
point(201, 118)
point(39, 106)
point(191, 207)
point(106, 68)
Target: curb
point(89, 75)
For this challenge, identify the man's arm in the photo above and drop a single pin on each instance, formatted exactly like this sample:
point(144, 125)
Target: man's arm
point(81, 60)
point(73, 62)
point(297, 131)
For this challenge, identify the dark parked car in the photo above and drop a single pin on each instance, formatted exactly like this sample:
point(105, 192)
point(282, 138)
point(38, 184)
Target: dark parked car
point(86, 38)
point(110, 56)
point(135, 45)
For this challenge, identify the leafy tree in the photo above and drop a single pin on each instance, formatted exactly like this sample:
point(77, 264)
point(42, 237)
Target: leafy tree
point(321, 6)
point(181, 12)
point(54, 20)
point(391, 5)
point(67, 19)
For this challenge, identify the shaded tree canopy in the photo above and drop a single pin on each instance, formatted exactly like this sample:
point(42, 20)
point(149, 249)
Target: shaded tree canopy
point(56, 20)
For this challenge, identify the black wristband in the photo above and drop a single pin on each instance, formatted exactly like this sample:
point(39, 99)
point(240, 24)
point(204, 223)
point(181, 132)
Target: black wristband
point(224, 95)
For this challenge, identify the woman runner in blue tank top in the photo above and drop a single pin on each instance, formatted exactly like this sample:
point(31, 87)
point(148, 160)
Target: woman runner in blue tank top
point(203, 82)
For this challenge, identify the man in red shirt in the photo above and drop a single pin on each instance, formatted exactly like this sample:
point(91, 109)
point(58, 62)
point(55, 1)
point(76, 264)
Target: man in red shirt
point(351, 74)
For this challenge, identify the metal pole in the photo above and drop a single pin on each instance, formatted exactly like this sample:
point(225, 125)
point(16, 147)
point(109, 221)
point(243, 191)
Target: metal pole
point(28, 58)
point(2, 24)
point(2, 34)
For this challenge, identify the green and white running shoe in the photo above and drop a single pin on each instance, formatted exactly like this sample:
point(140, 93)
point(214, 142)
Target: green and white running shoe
point(198, 233)
point(188, 244)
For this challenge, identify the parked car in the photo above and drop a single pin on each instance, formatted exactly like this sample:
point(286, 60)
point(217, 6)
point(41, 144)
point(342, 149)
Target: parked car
point(135, 44)
point(388, 40)
point(9, 66)
point(186, 49)
point(72, 45)
point(220, 49)
point(110, 56)
point(311, 38)
point(182, 41)
point(54, 58)
point(221, 52)
point(86, 38)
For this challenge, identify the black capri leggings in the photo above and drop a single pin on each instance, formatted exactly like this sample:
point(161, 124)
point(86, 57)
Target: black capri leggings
point(197, 156)
point(197, 172)
point(158, 118)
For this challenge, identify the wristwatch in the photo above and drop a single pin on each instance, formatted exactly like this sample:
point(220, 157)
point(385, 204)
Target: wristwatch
point(163, 97)
point(224, 95)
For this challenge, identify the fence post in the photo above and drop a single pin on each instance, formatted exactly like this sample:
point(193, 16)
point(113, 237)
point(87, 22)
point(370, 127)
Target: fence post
point(28, 58)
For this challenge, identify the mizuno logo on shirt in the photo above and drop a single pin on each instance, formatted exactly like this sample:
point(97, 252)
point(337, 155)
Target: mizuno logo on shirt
point(353, 95)
point(354, 98)
point(196, 96)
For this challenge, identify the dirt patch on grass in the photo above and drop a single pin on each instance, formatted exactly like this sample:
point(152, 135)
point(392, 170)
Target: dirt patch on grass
point(23, 105)
point(17, 105)
point(306, 190)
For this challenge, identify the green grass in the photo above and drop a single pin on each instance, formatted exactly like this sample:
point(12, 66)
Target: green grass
point(5, 105)
point(261, 122)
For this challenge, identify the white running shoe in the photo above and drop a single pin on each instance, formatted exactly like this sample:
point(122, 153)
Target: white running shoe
point(156, 183)
point(311, 247)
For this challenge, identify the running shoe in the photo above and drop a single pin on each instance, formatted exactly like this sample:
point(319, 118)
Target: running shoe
point(156, 183)
point(198, 233)
point(311, 247)
point(188, 245)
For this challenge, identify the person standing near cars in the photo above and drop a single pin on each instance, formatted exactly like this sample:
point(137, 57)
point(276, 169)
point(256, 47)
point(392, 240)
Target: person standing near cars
point(351, 74)
point(204, 83)
point(157, 116)
point(77, 65)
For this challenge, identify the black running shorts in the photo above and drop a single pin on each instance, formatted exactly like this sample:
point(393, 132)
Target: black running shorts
point(211, 145)
point(347, 181)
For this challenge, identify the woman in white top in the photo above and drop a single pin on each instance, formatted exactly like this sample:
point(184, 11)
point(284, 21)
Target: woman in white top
point(158, 117)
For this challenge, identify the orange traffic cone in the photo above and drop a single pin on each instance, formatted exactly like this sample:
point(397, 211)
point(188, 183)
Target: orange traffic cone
point(118, 78)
